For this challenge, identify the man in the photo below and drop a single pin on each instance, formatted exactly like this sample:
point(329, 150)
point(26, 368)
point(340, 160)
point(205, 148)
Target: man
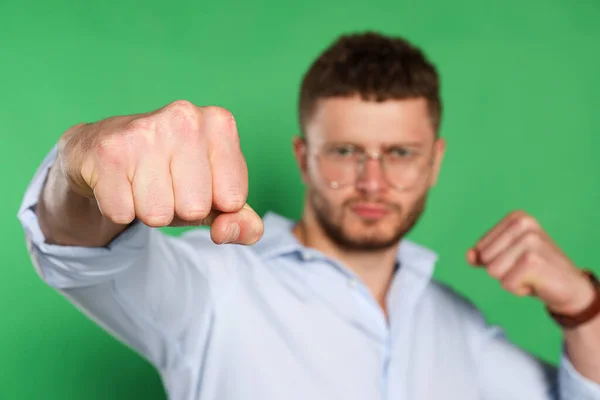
point(335, 306)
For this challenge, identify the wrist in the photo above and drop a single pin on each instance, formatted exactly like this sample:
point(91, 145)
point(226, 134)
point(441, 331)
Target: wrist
point(69, 161)
point(584, 295)
point(584, 307)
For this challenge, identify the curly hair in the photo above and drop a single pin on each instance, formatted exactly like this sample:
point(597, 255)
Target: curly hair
point(375, 67)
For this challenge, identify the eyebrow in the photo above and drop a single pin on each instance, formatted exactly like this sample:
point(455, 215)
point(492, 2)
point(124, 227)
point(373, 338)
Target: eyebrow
point(384, 146)
point(405, 144)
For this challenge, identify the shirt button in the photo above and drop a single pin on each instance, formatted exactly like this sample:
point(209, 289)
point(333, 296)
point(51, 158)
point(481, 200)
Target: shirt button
point(352, 283)
point(306, 256)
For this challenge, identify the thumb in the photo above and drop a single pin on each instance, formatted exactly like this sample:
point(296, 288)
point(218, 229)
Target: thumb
point(241, 227)
point(473, 257)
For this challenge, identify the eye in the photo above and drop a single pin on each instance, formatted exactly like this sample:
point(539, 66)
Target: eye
point(400, 152)
point(342, 151)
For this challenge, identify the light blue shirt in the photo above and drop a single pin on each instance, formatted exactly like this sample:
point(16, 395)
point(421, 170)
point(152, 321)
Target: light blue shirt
point(280, 321)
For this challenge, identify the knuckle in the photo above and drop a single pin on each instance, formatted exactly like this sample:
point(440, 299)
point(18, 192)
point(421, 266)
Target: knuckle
point(116, 209)
point(156, 218)
point(233, 203)
point(483, 256)
point(138, 133)
point(233, 200)
point(526, 221)
point(519, 223)
point(141, 124)
point(508, 284)
point(533, 222)
point(154, 204)
point(516, 214)
point(192, 215)
point(495, 271)
point(199, 211)
point(531, 239)
point(121, 217)
point(182, 107)
point(515, 287)
point(111, 151)
point(529, 221)
point(183, 122)
point(521, 291)
point(221, 119)
point(530, 259)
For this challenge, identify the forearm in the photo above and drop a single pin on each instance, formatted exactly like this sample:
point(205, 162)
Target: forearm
point(70, 219)
point(583, 349)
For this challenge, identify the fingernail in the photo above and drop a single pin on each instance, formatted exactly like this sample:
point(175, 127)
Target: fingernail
point(233, 231)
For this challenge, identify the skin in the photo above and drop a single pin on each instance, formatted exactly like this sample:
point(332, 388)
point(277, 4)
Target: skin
point(365, 242)
point(516, 251)
point(182, 165)
point(178, 165)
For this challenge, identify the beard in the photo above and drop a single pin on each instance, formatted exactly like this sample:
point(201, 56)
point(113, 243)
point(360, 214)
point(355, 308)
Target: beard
point(370, 238)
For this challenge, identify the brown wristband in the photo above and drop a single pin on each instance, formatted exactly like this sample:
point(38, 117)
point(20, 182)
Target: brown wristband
point(573, 321)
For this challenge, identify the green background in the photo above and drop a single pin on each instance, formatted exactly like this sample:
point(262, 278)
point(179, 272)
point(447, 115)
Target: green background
point(521, 89)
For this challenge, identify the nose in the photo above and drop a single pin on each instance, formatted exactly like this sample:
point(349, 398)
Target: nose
point(371, 177)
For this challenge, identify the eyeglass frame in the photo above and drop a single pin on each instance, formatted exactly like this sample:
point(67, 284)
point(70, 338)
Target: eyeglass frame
point(365, 154)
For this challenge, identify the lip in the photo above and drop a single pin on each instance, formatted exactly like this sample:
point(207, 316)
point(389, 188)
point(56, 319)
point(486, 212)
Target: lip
point(370, 211)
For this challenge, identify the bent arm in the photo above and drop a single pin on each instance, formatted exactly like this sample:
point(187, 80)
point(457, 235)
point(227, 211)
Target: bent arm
point(142, 286)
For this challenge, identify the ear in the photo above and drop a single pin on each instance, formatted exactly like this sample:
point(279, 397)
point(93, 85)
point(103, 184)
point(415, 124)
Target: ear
point(439, 149)
point(299, 145)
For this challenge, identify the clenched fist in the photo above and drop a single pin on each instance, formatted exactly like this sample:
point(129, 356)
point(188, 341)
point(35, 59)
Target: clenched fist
point(521, 255)
point(179, 165)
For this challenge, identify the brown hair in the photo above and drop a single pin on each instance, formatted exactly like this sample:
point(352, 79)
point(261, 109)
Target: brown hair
point(374, 66)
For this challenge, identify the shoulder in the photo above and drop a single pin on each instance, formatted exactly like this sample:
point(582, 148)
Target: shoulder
point(438, 298)
point(450, 304)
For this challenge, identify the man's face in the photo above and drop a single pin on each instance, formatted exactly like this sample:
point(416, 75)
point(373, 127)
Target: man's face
point(374, 210)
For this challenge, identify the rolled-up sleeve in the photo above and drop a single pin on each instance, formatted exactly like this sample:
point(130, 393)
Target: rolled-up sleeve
point(72, 266)
point(573, 385)
point(145, 287)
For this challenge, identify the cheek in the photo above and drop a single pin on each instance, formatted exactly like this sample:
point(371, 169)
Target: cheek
point(414, 202)
point(333, 199)
point(405, 202)
point(312, 170)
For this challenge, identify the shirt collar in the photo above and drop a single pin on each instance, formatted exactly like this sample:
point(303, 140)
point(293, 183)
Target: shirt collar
point(278, 240)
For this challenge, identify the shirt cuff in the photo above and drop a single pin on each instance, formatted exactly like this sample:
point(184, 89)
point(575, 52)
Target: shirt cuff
point(573, 385)
point(75, 266)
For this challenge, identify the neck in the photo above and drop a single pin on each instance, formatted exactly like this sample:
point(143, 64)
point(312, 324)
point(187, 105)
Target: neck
point(374, 267)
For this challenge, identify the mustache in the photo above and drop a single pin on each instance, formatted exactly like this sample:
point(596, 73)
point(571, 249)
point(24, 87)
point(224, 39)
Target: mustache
point(378, 202)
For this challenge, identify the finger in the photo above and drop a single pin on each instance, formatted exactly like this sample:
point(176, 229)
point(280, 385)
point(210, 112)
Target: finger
point(153, 190)
point(242, 227)
point(192, 180)
point(115, 199)
point(504, 238)
point(229, 169)
point(473, 257)
point(499, 266)
point(494, 232)
point(518, 280)
point(206, 221)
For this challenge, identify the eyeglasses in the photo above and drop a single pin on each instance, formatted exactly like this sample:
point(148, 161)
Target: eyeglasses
point(402, 167)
